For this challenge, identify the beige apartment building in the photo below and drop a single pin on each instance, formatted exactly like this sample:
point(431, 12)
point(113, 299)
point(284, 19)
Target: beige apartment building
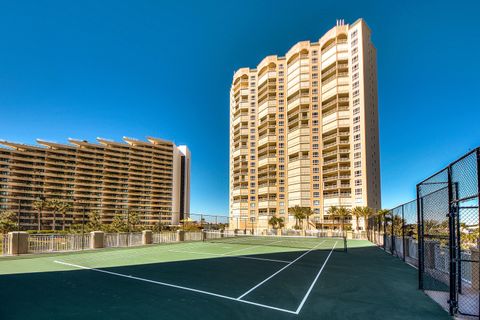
point(151, 178)
point(304, 130)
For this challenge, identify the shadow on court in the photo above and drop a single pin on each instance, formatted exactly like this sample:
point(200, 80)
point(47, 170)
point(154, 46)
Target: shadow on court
point(364, 283)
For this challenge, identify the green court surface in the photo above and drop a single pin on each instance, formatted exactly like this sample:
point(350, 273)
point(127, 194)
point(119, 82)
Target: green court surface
point(203, 280)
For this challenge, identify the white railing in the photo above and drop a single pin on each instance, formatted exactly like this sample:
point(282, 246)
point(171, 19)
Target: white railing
point(165, 237)
point(40, 243)
point(193, 236)
point(5, 244)
point(123, 239)
point(115, 240)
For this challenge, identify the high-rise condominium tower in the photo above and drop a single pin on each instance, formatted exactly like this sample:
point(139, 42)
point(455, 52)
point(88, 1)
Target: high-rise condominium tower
point(150, 178)
point(304, 130)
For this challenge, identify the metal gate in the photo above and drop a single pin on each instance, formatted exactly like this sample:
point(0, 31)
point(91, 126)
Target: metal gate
point(448, 229)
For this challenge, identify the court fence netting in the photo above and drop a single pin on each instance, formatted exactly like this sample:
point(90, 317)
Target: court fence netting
point(319, 240)
point(439, 234)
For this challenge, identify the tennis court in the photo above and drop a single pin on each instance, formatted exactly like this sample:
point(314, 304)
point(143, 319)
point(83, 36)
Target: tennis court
point(221, 278)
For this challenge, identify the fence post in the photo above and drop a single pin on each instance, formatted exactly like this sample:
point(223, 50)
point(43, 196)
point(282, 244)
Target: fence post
point(181, 235)
point(478, 219)
point(17, 242)
point(452, 211)
point(458, 247)
point(392, 244)
point(403, 231)
point(420, 238)
point(97, 239)
point(384, 232)
point(147, 237)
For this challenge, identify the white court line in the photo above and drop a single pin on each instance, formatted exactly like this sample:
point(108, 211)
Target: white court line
point(314, 281)
point(273, 275)
point(175, 286)
point(224, 255)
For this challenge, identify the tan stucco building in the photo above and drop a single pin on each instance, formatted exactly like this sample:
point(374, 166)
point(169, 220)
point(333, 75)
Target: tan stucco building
point(151, 178)
point(304, 130)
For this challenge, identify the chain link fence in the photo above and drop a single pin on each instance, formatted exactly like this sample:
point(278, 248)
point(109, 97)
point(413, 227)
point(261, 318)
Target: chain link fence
point(439, 233)
point(395, 231)
point(449, 235)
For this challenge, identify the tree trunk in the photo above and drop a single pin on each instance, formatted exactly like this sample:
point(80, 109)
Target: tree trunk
point(39, 222)
point(54, 225)
point(63, 222)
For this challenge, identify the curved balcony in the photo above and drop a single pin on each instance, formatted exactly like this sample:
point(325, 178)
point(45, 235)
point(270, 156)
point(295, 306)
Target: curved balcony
point(263, 161)
point(239, 119)
point(239, 152)
point(266, 139)
point(267, 189)
point(240, 192)
point(267, 204)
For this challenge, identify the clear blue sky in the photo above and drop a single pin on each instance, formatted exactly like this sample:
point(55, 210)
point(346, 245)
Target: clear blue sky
point(87, 69)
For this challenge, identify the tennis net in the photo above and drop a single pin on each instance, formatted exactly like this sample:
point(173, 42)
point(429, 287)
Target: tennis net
point(317, 242)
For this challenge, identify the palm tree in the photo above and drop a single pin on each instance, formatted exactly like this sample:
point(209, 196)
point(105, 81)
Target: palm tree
point(365, 213)
point(308, 212)
point(299, 214)
point(382, 216)
point(280, 223)
point(343, 213)
point(273, 221)
point(357, 212)
point(63, 210)
point(276, 222)
point(39, 205)
point(332, 211)
point(55, 205)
